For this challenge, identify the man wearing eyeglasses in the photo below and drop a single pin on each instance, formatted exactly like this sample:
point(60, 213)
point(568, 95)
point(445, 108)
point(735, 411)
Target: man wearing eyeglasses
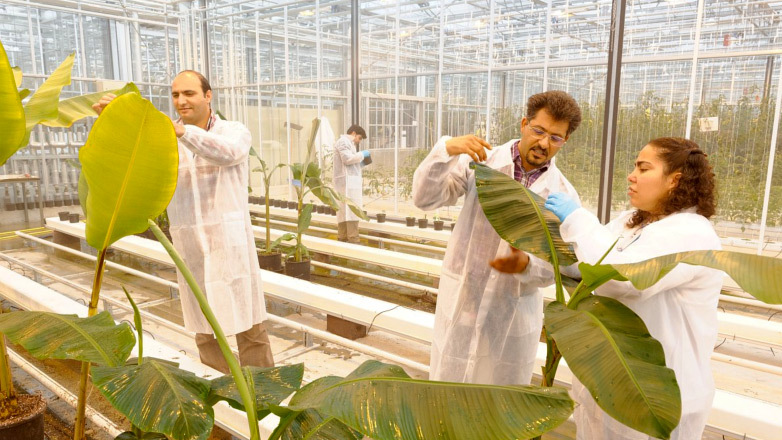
point(489, 310)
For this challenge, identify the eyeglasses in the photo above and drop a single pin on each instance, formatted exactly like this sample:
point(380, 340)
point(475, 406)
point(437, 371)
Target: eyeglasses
point(539, 133)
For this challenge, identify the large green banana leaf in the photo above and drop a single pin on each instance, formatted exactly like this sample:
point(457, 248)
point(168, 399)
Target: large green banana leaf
point(760, 276)
point(80, 107)
point(272, 385)
point(382, 402)
point(130, 163)
point(12, 119)
point(44, 104)
point(51, 336)
point(610, 351)
point(519, 217)
point(157, 397)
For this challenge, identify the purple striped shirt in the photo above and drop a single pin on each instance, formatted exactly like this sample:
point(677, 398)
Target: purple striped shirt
point(526, 178)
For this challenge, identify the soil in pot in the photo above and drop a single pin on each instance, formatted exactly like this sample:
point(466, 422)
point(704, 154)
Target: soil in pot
point(27, 423)
point(422, 223)
point(410, 221)
point(272, 262)
point(381, 218)
point(438, 225)
point(299, 270)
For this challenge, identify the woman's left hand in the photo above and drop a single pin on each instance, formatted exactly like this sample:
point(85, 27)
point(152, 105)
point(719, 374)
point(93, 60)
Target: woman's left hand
point(561, 204)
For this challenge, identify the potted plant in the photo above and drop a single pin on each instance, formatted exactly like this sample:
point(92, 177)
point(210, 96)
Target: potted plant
point(307, 178)
point(381, 217)
point(423, 222)
point(270, 258)
point(438, 224)
point(16, 122)
point(410, 221)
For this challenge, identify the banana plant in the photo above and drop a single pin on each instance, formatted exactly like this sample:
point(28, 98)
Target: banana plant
point(266, 175)
point(307, 179)
point(17, 121)
point(44, 106)
point(596, 334)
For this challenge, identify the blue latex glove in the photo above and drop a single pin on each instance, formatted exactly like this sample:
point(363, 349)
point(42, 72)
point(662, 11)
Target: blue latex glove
point(365, 153)
point(561, 204)
point(296, 183)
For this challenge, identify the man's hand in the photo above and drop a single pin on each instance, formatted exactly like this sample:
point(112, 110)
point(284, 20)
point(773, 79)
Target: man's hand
point(470, 144)
point(179, 129)
point(516, 262)
point(103, 102)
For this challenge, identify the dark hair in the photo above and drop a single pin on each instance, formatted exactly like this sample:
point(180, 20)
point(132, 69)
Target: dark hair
point(696, 186)
point(204, 82)
point(355, 128)
point(561, 106)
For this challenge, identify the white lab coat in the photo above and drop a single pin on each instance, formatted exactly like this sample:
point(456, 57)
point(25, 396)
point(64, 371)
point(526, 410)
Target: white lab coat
point(347, 176)
point(211, 229)
point(680, 310)
point(487, 324)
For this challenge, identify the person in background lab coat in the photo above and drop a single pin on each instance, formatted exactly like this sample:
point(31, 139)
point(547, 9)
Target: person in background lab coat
point(348, 181)
point(672, 188)
point(487, 323)
point(210, 225)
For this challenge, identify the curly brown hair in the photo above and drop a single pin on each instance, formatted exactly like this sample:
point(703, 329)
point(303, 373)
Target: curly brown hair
point(561, 106)
point(696, 186)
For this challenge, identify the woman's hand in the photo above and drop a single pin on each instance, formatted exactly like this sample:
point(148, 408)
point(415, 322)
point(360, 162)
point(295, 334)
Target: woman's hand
point(561, 204)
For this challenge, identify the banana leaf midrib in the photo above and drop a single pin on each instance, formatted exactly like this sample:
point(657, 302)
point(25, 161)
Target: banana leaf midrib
point(108, 359)
point(128, 173)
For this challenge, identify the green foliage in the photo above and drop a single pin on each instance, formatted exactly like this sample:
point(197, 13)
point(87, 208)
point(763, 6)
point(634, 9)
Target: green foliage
point(52, 336)
point(738, 151)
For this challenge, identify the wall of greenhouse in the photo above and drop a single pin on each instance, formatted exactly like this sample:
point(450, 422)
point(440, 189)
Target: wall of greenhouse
point(707, 70)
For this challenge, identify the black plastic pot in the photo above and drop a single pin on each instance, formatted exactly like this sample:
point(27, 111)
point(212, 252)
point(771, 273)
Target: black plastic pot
point(276, 203)
point(299, 269)
point(410, 221)
point(10, 206)
point(30, 427)
point(332, 211)
point(272, 262)
point(76, 200)
point(453, 224)
point(423, 222)
point(381, 218)
point(438, 225)
point(320, 209)
point(73, 218)
point(58, 203)
point(293, 205)
point(64, 215)
point(49, 203)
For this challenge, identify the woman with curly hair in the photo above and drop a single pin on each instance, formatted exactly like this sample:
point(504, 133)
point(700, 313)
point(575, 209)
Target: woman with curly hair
point(672, 190)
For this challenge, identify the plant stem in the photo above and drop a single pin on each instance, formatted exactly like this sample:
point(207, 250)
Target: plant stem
point(6, 383)
point(81, 405)
point(248, 397)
